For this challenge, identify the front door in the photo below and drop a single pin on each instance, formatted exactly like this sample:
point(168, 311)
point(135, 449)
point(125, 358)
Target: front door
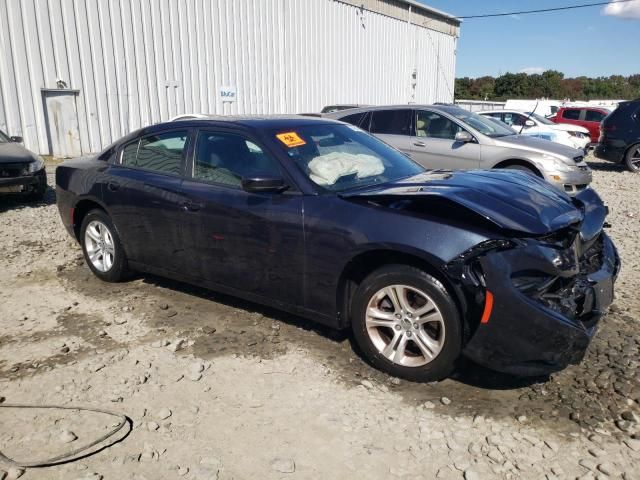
point(248, 241)
point(142, 190)
point(434, 144)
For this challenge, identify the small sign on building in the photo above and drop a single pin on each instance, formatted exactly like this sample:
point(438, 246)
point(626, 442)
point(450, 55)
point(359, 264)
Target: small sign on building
point(228, 93)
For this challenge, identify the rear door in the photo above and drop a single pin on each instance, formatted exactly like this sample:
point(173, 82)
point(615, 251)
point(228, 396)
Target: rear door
point(571, 116)
point(248, 241)
point(434, 144)
point(393, 126)
point(142, 190)
point(592, 120)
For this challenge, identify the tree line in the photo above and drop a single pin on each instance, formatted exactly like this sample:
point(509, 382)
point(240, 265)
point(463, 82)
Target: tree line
point(549, 84)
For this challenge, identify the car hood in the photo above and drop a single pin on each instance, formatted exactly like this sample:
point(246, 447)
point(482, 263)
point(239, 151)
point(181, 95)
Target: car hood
point(539, 145)
point(567, 127)
point(511, 200)
point(15, 153)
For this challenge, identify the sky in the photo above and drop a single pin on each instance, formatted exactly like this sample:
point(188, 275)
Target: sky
point(594, 41)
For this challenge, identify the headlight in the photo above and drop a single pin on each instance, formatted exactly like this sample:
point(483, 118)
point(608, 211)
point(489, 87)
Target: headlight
point(36, 165)
point(557, 164)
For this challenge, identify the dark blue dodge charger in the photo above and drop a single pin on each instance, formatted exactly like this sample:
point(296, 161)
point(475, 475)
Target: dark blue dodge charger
point(319, 218)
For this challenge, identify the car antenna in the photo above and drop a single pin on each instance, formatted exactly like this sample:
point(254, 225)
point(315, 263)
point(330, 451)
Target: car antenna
point(529, 117)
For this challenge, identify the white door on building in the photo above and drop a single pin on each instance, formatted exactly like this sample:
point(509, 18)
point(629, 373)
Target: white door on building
point(62, 122)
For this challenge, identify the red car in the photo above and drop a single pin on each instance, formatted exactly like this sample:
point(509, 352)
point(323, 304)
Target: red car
point(587, 117)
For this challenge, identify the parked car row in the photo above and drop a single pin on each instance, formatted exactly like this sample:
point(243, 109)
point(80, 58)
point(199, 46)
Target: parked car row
point(448, 137)
point(532, 124)
point(364, 219)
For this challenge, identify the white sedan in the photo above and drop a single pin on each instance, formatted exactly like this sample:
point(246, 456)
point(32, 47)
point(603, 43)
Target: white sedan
point(532, 124)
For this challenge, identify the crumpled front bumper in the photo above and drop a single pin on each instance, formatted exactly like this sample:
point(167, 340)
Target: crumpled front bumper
point(526, 336)
point(27, 182)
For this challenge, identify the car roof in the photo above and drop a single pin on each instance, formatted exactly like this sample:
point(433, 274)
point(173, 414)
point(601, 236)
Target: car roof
point(443, 107)
point(251, 121)
point(506, 110)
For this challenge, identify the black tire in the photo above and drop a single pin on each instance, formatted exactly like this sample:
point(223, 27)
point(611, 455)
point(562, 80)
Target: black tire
point(522, 168)
point(119, 269)
point(444, 362)
point(632, 159)
point(39, 192)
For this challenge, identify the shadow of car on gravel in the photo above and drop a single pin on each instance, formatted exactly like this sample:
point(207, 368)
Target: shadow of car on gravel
point(15, 201)
point(467, 372)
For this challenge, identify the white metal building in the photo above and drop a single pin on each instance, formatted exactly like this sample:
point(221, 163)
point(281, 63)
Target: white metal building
point(77, 74)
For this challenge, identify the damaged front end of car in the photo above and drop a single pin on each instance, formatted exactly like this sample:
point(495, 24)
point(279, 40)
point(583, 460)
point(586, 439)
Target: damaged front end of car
point(539, 297)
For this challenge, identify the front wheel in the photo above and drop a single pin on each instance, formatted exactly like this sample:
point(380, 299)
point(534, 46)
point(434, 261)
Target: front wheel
point(102, 247)
point(632, 159)
point(406, 324)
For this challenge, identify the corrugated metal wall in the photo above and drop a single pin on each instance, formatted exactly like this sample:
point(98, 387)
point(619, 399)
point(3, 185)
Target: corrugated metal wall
point(138, 62)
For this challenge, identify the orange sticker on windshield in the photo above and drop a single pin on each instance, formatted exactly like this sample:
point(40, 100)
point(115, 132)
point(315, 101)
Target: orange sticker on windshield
point(291, 139)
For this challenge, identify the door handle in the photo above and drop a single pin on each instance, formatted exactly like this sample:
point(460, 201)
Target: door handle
point(191, 206)
point(113, 186)
point(420, 144)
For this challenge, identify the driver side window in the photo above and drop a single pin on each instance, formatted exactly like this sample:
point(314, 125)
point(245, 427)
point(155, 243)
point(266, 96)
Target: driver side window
point(226, 158)
point(434, 125)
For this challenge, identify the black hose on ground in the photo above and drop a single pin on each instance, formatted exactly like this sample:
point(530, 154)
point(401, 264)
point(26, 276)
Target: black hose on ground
point(69, 456)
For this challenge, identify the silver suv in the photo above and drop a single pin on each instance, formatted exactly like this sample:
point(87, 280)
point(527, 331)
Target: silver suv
point(448, 137)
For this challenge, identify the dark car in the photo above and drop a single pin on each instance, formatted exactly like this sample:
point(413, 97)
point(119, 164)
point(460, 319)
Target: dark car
point(619, 140)
point(318, 218)
point(21, 171)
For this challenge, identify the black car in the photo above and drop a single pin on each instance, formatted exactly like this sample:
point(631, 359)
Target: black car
point(619, 140)
point(21, 171)
point(319, 218)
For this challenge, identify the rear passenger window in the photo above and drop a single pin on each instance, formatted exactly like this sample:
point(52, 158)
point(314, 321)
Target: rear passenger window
point(571, 114)
point(395, 122)
point(354, 118)
point(594, 116)
point(159, 153)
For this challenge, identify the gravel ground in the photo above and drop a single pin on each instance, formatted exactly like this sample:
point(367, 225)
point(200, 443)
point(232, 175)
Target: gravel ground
point(220, 388)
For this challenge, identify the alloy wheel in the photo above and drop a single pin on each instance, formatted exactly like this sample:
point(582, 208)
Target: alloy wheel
point(634, 159)
point(405, 325)
point(99, 245)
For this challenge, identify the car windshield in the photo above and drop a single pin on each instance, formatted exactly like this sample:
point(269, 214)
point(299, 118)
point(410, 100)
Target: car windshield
point(342, 157)
point(481, 124)
point(4, 138)
point(540, 118)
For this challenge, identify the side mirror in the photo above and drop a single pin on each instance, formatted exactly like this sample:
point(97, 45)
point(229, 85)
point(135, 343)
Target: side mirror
point(263, 184)
point(464, 137)
point(529, 123)
point(16, 139)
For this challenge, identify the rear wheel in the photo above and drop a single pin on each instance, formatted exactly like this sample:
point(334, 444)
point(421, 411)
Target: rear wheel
point(406, 324)
point(102, 248)
point(632, 159)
